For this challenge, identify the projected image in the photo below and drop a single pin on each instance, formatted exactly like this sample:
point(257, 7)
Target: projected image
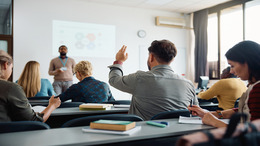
point(84, 39)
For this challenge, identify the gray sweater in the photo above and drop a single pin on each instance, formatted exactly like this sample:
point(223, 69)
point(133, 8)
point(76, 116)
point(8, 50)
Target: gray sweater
point(154, 91)
point(14, 106)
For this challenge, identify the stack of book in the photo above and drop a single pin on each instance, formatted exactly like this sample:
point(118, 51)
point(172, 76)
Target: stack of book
point(112, 127)
point(95, 106)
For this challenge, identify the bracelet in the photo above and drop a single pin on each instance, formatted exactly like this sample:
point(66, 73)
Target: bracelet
point(219, 112)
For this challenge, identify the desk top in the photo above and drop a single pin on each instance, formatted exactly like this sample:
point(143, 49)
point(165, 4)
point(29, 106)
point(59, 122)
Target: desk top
point(77, 111)
point(75, 136)
point(208, 104)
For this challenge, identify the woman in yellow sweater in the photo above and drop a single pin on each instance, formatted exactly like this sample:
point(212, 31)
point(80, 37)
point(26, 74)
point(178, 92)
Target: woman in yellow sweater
point(227, 90)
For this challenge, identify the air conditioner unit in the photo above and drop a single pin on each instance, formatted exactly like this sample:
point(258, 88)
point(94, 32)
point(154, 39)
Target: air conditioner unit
point(171, 22)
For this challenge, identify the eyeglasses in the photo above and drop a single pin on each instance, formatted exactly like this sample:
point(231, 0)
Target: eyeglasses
point(74, 73)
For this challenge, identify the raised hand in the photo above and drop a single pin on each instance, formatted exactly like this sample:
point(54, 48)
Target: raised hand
point(121, 55)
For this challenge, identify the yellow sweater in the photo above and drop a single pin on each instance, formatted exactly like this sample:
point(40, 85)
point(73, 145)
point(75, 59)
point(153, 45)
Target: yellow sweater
point(226, 91)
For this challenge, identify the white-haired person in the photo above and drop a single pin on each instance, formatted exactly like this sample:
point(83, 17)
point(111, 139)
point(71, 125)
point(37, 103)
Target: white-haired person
point(88, 90)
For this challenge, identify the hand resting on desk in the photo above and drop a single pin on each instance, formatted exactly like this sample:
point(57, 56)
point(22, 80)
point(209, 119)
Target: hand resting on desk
point(206, 116)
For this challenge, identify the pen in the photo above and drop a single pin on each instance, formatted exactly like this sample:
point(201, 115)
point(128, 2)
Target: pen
point(191, 102)
point(162, 122)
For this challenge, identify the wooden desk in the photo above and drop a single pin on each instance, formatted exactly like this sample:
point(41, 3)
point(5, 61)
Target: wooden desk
point(75, 136)
point(62, 115)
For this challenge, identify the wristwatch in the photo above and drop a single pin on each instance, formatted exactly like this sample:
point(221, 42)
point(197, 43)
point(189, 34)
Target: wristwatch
point(219, 112)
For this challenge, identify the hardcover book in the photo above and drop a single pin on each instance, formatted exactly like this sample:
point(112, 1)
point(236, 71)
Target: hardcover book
point(112, 125)
point(95, 106)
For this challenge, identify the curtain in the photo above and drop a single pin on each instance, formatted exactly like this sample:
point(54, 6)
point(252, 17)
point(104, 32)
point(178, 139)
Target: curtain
point(200, 24)
point(190, 51)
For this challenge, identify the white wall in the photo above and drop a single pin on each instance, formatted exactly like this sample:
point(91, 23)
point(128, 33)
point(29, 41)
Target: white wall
point(33, 34)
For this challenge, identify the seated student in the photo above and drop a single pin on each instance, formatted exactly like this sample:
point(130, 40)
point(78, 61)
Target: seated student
point(227, 90)
point(244, 59)
point(14, 106)
point(32, 83)
point(157, 90)
point(88, 90)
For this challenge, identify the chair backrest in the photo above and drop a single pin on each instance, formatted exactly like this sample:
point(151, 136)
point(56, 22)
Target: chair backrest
point(70, 104)
point(85, 121)
point(171, 114)
point(17, 126)
point(124, 102)
point(236, 103)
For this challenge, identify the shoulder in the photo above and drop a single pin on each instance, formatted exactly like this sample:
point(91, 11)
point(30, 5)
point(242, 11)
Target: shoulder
point(256, 87)
point(11, 86)
point(98, 81)
point(54, 59)
point(228, 80)
point(45, 80)
point(71, 59)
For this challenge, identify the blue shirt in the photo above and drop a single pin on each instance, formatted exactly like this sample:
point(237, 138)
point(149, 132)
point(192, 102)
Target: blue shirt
point(89, 90)
point(46, 88)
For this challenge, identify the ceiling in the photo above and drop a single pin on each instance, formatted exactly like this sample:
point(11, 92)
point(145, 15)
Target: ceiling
point(180, 6)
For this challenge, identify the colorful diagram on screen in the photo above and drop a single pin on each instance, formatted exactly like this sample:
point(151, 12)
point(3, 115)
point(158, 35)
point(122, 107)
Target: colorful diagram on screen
point(84, 39)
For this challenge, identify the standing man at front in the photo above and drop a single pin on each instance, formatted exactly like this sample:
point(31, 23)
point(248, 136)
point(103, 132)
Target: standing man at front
point(156, 90)
point(62, 69)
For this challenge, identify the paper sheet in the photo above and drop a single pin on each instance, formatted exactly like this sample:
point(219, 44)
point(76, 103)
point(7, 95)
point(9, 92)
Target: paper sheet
point(196, 120)
point(120, 105)
point(38, 108)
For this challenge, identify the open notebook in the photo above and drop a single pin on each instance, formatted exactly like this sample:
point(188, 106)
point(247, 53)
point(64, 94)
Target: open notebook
point(195, 120)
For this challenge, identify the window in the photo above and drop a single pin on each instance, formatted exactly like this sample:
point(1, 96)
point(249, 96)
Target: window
point(213, 46)
point(231, 31)
point(252, 23)
point(226, 28)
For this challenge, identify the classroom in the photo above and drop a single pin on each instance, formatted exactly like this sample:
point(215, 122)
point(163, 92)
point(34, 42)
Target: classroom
point(203, 32)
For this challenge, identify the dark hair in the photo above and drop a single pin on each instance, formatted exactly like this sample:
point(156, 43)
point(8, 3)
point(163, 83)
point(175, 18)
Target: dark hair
point(63, 46)
point(163, 50)
point(247, 52)
point(226, 73)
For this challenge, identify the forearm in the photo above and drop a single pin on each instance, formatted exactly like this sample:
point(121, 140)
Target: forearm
point(54, 72)
point(47, 112)
point(115, 75)
point(209, 94)
point(218, 123)
point(226, 114)
point(212, 120)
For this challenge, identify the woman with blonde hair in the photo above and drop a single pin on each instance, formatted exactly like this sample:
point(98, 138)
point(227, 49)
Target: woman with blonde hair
point(88, 89)
point(14, 106)
point(32, 83)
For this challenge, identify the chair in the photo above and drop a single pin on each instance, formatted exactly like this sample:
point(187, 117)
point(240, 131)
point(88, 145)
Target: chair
point(171, 114)
point(17, 126)
point(85, 121)
point(236, 103)
point(124, 102)
point(70, 104)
